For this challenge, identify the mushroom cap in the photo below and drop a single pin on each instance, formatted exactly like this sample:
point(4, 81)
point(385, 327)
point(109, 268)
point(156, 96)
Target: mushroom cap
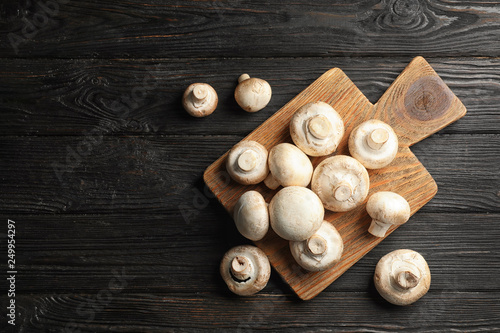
point(374, 144)
point(320, 251)
point(260, 270)
point(253, 94)
point(289, 165)
point(295, 213)
point(247, 162)
point(200, 100)
point(402, 277)
point(341, 182)
point(388, 207)
point(251, 215)
point(316, 128)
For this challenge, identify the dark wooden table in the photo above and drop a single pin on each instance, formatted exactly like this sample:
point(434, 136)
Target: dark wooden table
point(101, 169)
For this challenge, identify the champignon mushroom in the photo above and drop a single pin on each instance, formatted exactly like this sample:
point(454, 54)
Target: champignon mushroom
point(252, 94)
point(386, 209)
point(245, 269)
point(320, 251)
point(402, 277)
point(200, 100)
point(295, 213)
point(341, 182)
point(373, 143)
point(289, 165)
point(316, 128)
point(247, 162)
point(251, 215)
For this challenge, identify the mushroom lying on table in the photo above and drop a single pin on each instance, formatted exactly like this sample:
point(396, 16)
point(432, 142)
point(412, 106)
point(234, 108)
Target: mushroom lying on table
point(386, 209)
point(295, 213)
point(402, 277)
point(251, 215)
point(200, 100)
point(245, 269)
point(316, 128)
point(374, 144)
point(247, 162)
point(289, 166)
point(252, 94)
point(341, 182)
point(320, 251)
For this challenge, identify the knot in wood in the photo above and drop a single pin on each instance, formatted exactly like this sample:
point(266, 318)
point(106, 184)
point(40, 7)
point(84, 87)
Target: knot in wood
point(406, 8)
point(428, 98)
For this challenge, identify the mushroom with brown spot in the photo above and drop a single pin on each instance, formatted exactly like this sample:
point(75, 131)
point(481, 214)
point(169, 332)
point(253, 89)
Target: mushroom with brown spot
point(402, 277)
point(386, 209)
point(200, 100)
point(341, 182)
point(374, 144)
point(321, 251)
point(295, 213)
point(316, 128)
point(252, 94)
point(245, 269)
point(251, 215)
point(247, 162)
point(289, 166)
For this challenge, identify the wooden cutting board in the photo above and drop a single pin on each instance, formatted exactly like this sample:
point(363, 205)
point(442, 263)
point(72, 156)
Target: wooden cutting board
point(416, 105)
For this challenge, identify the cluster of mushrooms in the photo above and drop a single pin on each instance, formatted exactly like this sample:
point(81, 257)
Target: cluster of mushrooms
point(339, 183)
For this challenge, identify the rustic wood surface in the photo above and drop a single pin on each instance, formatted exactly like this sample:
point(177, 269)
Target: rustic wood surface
point(102, 170)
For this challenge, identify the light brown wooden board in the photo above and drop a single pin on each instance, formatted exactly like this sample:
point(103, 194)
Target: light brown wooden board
point(416, 105)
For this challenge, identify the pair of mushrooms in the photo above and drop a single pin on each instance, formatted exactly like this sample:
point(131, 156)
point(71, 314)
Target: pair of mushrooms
point(317, 129)
point(251, 94)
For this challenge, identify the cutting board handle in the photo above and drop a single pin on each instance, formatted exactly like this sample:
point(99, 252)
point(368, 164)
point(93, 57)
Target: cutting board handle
point(418, 103)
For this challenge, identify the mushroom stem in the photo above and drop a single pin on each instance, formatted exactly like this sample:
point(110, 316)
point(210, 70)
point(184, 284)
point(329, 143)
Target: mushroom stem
point(200, 93)
point(407, 280)
point(241, 268)
point(378, 228)
point(247, 161)
point(377, 138)
point(243, 77)
point(319, 126)
point(316, 245)
point(342, 192)
point(271, 182)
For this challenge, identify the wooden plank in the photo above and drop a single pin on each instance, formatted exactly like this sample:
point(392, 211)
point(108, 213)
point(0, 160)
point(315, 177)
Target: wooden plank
point(66, 97)
point(159, 174)
point(64, 253)
point(155, 29)
point(344, 312)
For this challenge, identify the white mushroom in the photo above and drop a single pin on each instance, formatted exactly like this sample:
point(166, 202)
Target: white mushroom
point(316, 128)
point(373, 143)
point(289, 165)
point(200, 100)
point(251, 215)
point(247, 162)
point(252, 94)
point(320, 251)
point(245, 269)
point(386, 209)
point(295, 213)
point(341, 182)
point(402, 277)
